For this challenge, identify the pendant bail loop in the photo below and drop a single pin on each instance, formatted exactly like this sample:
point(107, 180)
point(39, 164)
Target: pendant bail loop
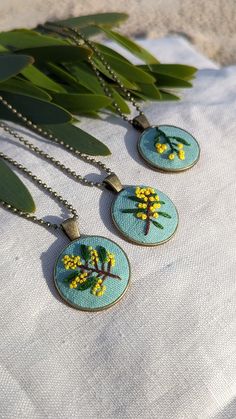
point(140, 122)
point(71, 228)
point(113, 182)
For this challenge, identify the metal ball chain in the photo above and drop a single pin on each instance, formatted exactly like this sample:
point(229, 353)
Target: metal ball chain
point(74, 34)
point(43, 185)
point(46, 156)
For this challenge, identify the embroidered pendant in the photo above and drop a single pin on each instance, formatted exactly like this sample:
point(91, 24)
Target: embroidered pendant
point(92, 273)
point(168, 148)
point(144, 215)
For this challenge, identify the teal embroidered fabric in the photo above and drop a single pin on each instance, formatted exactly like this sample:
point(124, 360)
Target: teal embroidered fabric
point(143, 221)
point(92, 273)
point(170, 148)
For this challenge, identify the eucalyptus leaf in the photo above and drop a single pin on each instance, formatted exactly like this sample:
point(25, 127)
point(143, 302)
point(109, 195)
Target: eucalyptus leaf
point(26, 38)
point(165, 95)
point(13, 191)
point(81, 103)
point(129, 71)
point(120, 102)
point(180, 71)
point(85, 76)
point(11, 64)
point(57, 53)
point(172, 82)
point(131, 46)
point(104, 49)
point(40, 79)
point(126, 83)
point(37, 110)
point(17, 85)
point(106, 19)
point(148, 91)
point(64, 76)
point(79, 139)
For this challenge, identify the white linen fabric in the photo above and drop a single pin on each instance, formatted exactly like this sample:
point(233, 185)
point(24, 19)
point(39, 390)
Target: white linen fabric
point(168, 349)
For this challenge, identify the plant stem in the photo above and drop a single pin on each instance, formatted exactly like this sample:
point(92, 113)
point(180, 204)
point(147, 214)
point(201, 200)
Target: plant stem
point(100, 271)
point(147, 228)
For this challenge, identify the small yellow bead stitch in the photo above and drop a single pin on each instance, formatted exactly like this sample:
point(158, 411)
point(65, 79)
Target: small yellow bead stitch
point(171, 156)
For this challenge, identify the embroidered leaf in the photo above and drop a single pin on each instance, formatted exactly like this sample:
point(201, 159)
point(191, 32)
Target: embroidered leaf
point(102, 253)
point(87, 284)
point(71, 276)
point(180, 140)
point(157, 224)
point(164, 214)
point(132, 210)
point(85, 252)
point(135, 199)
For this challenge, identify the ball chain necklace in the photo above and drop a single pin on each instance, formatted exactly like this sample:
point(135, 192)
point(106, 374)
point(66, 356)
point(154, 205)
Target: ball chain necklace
point(92, 272)
point(164, 147)
point(143, 214)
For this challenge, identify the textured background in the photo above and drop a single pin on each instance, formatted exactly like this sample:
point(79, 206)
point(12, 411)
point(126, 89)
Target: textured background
point(210, 24)
point(168, 349)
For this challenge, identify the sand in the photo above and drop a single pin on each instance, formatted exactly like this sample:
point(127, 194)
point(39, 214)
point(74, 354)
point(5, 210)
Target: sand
point(209, 24)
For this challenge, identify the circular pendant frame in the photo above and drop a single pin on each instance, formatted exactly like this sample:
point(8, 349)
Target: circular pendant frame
point(115, 290)
point(158, 159)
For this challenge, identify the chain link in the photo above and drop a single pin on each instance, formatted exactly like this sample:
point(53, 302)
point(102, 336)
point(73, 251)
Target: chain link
point(74, 35)
point(46, 156)
point(44, 186)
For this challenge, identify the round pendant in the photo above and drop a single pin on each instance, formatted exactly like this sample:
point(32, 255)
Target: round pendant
point(168, 148)
point(92, 273)
point(144, 215)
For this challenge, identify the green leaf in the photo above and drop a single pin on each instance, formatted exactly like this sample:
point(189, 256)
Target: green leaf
point(158, 225)
point(16, 85)
point(38, 78)
point(57, 53)
point(104, 49)
point(79, 139)
point(13, 191)
point(81, 103)
point(132, 210)
point(127, 83)
point(135, 199)
point(131, 46)
point(167, 81)
point(86, 77)
point(11, 64)
point(71, 276)
point(128, 70)
point(164, 214)
point(148, 91)
point(65, 76)
point(180, 140)
point(168, 96)
point(37, 110)
point(85, 252)
point(87, 284)
point(106, 19)
point(25, 38)
point(120, 102)
point(102, 253)
point(180, 71)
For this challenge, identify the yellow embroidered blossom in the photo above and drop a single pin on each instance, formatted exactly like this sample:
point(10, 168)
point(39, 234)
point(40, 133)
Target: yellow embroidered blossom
point(98, 289)
point(155, 215)
point(71, 262)
point(181, 155)
point(144, 206)
point(110, 259)
point(171, 156)
point(156, 205)
point(93, 255)
point(180, 146)
point(79, 279)
point(161, 147)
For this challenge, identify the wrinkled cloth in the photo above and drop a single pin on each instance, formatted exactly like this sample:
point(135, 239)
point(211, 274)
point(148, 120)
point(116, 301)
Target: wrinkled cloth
point(168, 349)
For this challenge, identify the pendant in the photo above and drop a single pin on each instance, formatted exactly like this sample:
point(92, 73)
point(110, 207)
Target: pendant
point(92, 273)
point(168, 148)
point(144, 215)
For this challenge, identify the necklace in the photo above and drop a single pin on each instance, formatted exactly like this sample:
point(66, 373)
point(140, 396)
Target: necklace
point(164, 147)
point(92, 272)
point(143, 214)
